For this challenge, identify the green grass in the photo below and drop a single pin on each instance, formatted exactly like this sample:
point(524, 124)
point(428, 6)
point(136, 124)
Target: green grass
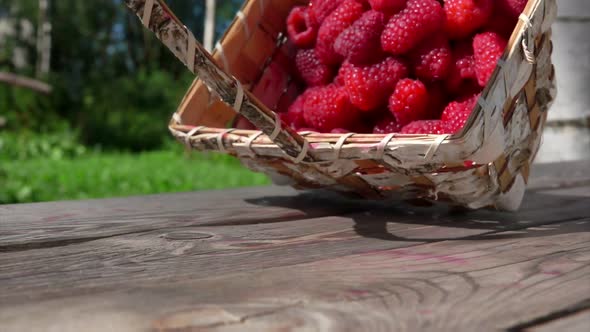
point(98, 175)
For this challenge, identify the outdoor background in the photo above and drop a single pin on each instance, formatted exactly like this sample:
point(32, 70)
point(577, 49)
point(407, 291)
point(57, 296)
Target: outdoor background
point(101, 132)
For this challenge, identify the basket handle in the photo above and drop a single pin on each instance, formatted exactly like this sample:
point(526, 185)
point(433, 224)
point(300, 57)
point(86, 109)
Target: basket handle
point(157, 17)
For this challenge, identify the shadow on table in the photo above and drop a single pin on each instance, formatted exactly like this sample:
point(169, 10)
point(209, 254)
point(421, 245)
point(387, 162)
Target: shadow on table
point(376, 219)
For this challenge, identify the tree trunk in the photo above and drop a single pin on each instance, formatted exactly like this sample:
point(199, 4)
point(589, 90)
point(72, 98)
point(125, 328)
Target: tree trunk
point(209, 33)
point(43, 40)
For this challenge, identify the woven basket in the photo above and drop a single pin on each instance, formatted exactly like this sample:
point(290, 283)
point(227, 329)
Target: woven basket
point(485, 165)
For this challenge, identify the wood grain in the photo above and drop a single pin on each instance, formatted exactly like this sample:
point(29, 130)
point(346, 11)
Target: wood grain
point(278, 260)
point(49, 224)
point(448, 285)
point(172, 253)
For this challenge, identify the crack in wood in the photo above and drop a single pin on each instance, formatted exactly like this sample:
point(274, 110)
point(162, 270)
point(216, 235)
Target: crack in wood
point(58, 243)
point(562, 313)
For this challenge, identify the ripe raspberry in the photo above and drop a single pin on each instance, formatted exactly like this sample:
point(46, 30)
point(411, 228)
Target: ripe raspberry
point(462, 72)
point(327, 108)
point(457, 112)
point(339, 79)
point(294, 116)
point(340, 19)
point(501, 23)
point(311, 70)
point(339, 131)
point(409, 101)
point(240, 122)
point(436, 127)
point(389, 7)
point(322, 8)
point(301, 27)
point(437, 100)
point(512, 8)
point(361, 42)
point(312, 130)
point(487, 49)
point(387, 125)
point(464, 17)
point(369, 86)
point(409, 27)
point(432, 59)
point(464, 61)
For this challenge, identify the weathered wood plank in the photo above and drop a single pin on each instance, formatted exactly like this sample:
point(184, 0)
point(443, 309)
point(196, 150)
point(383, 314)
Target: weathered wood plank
point(574, 191)
point(50, 224)
point(485, 284)
point(384, 267)
point(573, 8)
point(559, 175)
point(572, 323)
point(171, 254)
point(53, 224)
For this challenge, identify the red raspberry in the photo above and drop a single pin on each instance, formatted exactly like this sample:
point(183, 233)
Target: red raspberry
point(389, 7)
point(512, 8)
point(322, 8)
point(340, 19)
point(432, 59)
point(501, 23)
point(339, 79)
point(462, 74)
point(240, 122)
point(369, 86)
point(387, 125)
point(361, 42)
point(294, 116)
point(436, 127)
point(464, 62)
point(409, 27)
point(464, 17)
point(437, 99)
point(311, 70)
point(326, 108)
point(488, 47)
point(339, 131)
point(457, 112)
point(409, 101)
point(301, 27)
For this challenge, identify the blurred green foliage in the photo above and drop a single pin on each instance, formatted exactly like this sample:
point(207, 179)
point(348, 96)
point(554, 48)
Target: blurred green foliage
point(115, 87)
point(112, 80)
point(137, 120)
point(29, 145)
point(116, 174)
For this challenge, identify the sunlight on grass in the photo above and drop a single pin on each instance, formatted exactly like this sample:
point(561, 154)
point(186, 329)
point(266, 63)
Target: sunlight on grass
point(120, 174)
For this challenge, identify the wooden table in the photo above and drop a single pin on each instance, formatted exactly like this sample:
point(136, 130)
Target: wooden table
point(271, 259)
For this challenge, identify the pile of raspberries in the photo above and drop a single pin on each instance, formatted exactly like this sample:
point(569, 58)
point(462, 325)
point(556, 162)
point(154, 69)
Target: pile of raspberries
point(395, 66)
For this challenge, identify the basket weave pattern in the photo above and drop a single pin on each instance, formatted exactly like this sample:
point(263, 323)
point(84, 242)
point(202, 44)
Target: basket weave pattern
point(487, 164)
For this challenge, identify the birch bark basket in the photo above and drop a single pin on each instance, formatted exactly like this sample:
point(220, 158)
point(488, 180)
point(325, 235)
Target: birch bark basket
point(487, 164)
